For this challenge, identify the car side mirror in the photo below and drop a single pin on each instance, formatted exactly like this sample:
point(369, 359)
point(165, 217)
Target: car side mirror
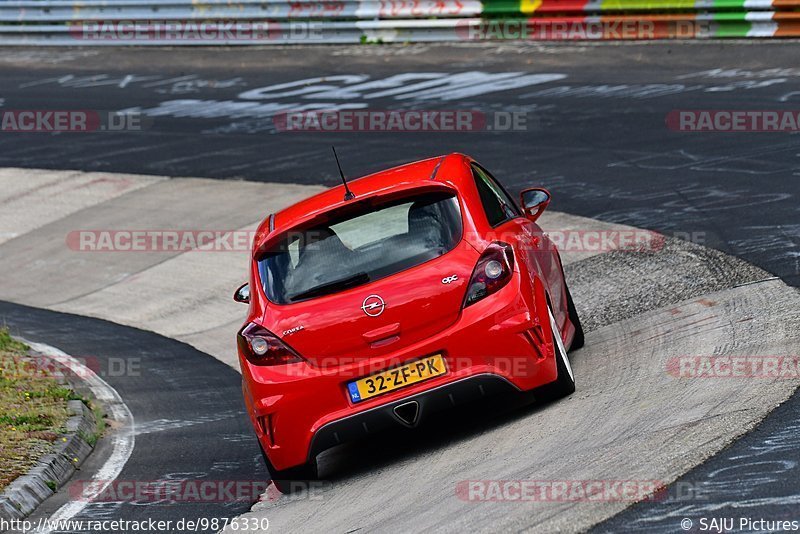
point(242, 294)
point(534, 201)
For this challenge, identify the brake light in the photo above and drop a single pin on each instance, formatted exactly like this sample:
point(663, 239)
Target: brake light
point(262, 347)
point(492, 273)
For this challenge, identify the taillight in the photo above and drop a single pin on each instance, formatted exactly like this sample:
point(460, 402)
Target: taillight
point(262, 347)
point(493, 271)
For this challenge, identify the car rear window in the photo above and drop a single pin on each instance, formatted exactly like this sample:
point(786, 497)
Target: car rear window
point(361, 248)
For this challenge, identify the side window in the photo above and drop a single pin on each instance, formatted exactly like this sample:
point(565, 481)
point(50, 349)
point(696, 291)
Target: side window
point(498, 205)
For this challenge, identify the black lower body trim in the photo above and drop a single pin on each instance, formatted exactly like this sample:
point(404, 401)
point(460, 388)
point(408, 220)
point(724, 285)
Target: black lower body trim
point(384, 417)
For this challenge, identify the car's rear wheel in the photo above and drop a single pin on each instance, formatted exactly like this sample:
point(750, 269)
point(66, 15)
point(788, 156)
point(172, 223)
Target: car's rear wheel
point(577, 339)
point(565, 382)
point(292, 479)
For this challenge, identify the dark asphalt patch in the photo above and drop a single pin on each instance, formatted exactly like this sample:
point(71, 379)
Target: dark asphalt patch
point(622, 285)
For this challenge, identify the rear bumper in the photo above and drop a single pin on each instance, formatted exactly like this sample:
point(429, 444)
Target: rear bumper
point(431, 401)
point(499, 343)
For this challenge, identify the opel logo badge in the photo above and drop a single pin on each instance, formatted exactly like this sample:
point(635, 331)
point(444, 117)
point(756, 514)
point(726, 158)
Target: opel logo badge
point(373, 305)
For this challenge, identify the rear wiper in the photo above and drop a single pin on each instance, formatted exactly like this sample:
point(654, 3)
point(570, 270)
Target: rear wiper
point(330, 287)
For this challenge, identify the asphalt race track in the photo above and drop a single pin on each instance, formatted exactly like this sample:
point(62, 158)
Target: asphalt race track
point(595, 134)
point(187, 406)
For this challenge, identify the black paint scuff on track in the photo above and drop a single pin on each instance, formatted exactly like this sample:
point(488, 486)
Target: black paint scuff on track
point(187, 408)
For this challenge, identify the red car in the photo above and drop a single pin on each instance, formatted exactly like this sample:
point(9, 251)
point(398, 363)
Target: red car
point(415, 289)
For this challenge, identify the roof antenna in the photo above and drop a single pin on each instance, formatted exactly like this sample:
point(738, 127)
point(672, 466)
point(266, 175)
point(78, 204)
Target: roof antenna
point(348, 195)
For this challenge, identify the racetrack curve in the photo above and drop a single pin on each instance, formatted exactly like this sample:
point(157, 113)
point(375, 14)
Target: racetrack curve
point(628, 301)
point(630, 420)
point(187, 420)
point(641, 309)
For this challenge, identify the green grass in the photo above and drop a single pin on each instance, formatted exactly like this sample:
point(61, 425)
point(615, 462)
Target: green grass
point(9, 344)
point(99, 418)
point(33, 410)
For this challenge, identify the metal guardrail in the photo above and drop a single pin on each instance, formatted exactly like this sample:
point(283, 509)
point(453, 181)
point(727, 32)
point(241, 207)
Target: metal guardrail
point(260, 22)
point(131, 10)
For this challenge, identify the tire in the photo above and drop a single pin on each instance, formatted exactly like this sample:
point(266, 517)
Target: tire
point(577, 339)
point(564, 384)
point(292, 479)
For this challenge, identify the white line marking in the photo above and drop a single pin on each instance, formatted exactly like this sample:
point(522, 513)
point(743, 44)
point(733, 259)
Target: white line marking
point(123, 438)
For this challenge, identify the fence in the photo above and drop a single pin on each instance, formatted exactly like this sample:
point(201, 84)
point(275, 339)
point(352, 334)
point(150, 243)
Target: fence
point(248, 22)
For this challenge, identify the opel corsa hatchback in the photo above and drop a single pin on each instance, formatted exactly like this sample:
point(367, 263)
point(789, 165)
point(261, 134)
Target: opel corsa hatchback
point(418, 288)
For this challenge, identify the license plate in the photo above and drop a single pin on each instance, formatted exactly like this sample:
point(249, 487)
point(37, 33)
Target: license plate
point(397, 378)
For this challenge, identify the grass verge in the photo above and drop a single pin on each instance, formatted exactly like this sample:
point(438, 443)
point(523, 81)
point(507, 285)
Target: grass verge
point(33, 409)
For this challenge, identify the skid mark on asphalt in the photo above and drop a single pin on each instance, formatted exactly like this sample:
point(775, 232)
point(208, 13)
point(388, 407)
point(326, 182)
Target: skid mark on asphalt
point(190, 83)
point(682, 159)
point(238, 438)
point(163, 425)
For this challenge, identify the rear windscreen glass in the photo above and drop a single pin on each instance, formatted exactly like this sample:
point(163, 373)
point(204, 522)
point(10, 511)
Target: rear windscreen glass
point(361, 248)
